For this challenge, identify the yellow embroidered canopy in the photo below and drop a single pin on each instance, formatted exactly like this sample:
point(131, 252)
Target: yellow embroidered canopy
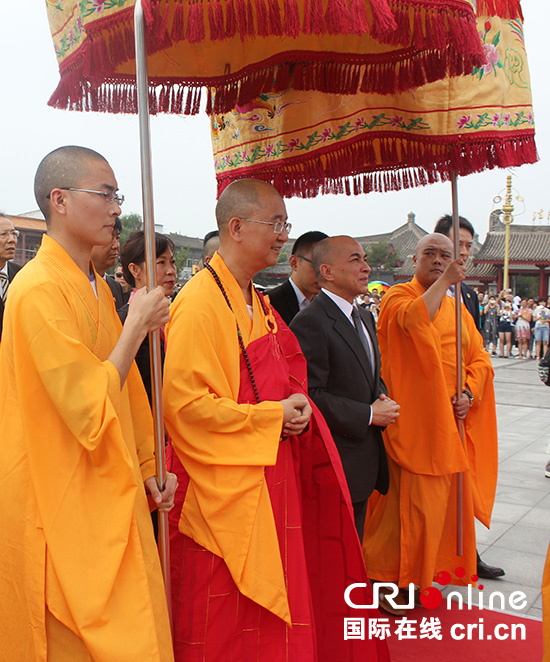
point(243, 48)
point(307, 143)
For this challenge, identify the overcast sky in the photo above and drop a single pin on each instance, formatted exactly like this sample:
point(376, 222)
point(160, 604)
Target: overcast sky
point(184, 182)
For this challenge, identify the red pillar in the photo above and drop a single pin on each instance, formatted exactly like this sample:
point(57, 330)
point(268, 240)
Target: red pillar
point(543, 283)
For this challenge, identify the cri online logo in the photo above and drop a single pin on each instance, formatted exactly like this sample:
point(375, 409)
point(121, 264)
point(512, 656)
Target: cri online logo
point(431, 597)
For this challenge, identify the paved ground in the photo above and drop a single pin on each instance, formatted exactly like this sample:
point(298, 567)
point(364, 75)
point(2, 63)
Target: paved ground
point(520, 530)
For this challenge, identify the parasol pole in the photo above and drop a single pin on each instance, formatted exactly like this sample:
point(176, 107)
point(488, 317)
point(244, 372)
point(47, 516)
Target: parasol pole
point(150, 261)
point(459, 385)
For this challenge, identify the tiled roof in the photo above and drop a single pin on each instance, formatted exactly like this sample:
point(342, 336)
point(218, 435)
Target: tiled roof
point(181, 241)
point(28, 223)
point(530, 244)
point(404, 239)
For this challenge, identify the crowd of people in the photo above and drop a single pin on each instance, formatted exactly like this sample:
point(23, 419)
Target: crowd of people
point(510, 321)
point(302, 453)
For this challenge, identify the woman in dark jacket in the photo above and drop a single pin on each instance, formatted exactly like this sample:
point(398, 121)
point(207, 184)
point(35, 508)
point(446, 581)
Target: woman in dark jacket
point(132, 260)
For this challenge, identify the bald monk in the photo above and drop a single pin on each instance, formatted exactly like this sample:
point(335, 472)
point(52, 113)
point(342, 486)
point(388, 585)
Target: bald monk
point(80, 577)
point(263, 542)
point(410, 534)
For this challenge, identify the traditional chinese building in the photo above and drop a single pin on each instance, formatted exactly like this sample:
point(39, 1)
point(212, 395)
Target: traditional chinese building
point(529, 258)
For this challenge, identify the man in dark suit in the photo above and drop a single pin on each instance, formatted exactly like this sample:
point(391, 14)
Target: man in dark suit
point(8, 244)
point(298, 291)
point(105, 257)
point(445, 226)
point(339, 342)
point(470, 300)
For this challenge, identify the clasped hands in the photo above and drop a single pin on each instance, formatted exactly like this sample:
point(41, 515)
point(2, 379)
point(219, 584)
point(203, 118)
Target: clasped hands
point(384, 411)
point(296, 414)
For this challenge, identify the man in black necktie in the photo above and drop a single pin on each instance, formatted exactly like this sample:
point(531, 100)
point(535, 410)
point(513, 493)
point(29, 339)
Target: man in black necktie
point(340, 345)
point(8, 244)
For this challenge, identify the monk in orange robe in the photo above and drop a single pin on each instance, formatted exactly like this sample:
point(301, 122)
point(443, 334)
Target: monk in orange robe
point(410, 533)
point(263, 543)
point(80, 576)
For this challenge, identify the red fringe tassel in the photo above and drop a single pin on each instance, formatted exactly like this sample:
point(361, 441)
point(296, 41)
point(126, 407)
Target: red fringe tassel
point(428, 163)
point(502, 8)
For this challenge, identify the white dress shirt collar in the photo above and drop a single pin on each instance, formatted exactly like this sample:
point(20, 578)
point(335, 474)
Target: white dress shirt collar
point(302, 300)
point(345, 306)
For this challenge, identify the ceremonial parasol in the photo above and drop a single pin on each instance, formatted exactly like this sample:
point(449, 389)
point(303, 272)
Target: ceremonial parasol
point(242, 48)
point(308, 142)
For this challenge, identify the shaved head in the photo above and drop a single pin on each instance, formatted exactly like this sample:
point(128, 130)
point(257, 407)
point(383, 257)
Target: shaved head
point(436, 239)
point(433, 254)
point(242, 199)
point(64, 167)
point(341, 267)
point(329, 250)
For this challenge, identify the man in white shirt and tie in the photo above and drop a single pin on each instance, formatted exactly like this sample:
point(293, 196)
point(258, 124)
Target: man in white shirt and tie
point(8, 244)
point(339, 342)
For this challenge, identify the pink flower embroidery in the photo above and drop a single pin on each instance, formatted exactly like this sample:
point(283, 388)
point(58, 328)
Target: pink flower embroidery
point(463, 121)
point(495, 119)
point(98, 5)
point(79, 23)
point(228, 160)
point(326, 134)
point(396, 120)
point(491, 58)
point(507, 118)
point(358, 122)
point(243, 155)
point(269, 150)
point(530, 118)
point(71, 37)
point(293, 144)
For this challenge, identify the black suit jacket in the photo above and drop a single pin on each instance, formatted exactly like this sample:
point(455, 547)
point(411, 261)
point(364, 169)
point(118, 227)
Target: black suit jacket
point(13, 268)
point(343, 387)
point(116, 291)
point(469, 297)
point(283, 299)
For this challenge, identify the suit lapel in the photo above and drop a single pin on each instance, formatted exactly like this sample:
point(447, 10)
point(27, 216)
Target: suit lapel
point(345, 328)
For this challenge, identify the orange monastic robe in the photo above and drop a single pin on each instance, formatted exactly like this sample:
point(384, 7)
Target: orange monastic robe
point(411, 532)
point(78, 561)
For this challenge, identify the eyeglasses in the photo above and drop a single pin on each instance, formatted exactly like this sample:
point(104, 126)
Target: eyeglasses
point(119, 274)
point(278, 227)
point(7, 233)
point(305, 258)
point(110, 196)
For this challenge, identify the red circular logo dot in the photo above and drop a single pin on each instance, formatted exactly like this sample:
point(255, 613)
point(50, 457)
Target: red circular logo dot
point(460, 572)
point(443, 578)
point(480, 587)
point(474, 578)
point(431, 598)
